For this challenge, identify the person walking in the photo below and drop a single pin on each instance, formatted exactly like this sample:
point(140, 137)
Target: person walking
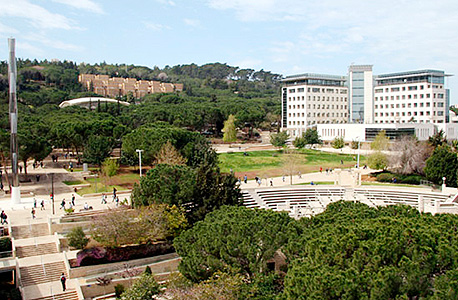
point(4, 217)
point(33, 213)
point(73, 199)
point(62, 204)
point(42, 205)
point(63, 279)
point(34, 202)
point(104, 198)
point(114, 194)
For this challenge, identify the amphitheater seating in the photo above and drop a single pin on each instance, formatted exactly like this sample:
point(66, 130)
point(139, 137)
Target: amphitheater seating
point(307, 201)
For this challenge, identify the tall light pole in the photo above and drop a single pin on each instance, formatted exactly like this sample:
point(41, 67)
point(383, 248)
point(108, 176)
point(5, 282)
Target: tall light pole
point(359, 145)
point(12, 75)
point(139, 151)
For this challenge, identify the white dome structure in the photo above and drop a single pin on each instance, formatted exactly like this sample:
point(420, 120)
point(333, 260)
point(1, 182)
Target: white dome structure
point(90, 102)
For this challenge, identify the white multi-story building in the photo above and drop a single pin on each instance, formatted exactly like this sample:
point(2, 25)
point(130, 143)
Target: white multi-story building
point(361, 98)
point(416, 96)
point(310, 99)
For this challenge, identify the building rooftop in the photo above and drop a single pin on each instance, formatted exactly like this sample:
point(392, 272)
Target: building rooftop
point(313, 76)
point(426, 72)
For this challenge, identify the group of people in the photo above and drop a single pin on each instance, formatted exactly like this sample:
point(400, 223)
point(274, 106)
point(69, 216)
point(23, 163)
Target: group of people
point(115, 197)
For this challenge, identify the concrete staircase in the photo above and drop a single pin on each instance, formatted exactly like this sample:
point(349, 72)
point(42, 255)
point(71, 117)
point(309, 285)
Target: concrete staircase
point(71, 295)
point(48, 272)
point(28, 231)
point(35, 250)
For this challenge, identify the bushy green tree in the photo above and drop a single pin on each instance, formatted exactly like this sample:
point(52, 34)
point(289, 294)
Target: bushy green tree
point(97, 149)
point(197, 190)
point(352, 251)
point(232, 239)
point(442, 163)
point(338, 143)
point(279, 139)
point(377, 160)
point(230, 132)
point(144, 288)
point(77, 238)
point(381, 142)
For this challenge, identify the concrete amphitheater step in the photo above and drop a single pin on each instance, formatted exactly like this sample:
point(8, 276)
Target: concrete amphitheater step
point(35, 250)
point(33, 275)
point(28, 231)
point(70, 295)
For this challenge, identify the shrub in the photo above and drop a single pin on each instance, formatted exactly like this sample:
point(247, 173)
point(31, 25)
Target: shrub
point(338, 143)
point(5, 244)
point(119, 289)
point(77, 238)
point(385, 177)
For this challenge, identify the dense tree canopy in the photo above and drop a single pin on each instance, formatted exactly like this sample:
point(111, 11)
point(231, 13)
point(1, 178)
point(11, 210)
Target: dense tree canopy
point(352, 251)
point(232, 239)
point(442, 163)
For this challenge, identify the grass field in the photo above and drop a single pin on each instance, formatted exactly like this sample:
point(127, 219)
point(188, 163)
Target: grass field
point(271, 162)
point(123, 181)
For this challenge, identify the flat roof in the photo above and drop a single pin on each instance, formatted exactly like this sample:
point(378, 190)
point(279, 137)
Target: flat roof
point(314, 76)
point(412, 74)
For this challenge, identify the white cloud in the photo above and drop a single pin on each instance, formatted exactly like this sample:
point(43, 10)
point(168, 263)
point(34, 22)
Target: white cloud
point(35, 14)
point(156, 27)
point(88, 5)
point(192, 22)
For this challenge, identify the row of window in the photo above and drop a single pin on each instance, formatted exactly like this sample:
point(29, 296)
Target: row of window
point(317, 122)
point(404, 121)
point(410, 113)
point(318, 106)
point(317, 114)
point(318, 90)
point(409, 88)
point(409, 105)
point(414, 96)
point(318, 98)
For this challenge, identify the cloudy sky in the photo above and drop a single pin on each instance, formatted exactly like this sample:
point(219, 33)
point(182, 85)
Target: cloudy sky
point(282, 36)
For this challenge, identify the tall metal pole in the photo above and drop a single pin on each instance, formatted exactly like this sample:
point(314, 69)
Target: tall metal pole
point(12, 76)
point(140, 160)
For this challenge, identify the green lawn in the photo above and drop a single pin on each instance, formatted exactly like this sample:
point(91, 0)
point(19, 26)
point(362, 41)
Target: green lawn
point(121, 182)
point(257, 161)
point(318, 183)
point(394, 184)
point(73, 182)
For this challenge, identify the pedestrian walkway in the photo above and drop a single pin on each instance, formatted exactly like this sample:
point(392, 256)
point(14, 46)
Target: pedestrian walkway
point(347, 177)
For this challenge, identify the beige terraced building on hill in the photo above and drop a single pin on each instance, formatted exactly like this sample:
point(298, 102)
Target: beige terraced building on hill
point(117, 86)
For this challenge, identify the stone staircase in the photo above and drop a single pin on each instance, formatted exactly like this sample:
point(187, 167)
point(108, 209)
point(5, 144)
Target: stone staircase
point(35, 250)
point(48, 272)
point(28, 231)
point(71, 295)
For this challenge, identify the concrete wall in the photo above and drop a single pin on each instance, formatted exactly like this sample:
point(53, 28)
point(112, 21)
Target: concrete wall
point(159, 264)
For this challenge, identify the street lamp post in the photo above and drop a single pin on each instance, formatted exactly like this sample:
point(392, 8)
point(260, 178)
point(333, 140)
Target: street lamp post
point(52, 193)
point(359, 145)
point(139, 151)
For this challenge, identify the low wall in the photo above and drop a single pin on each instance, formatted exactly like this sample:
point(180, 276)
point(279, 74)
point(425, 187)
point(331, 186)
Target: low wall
point(94, 290)
point(159, 264)
point(63, 228)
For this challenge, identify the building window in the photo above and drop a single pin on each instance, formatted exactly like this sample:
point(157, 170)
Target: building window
point(300, 90)
point(440, 113)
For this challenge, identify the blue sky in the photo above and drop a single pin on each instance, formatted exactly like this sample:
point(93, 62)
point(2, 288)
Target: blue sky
point(282, 36)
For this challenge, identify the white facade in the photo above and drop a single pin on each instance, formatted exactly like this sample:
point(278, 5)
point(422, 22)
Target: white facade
point(418, 96)
point(310, 99)
point(367, 132)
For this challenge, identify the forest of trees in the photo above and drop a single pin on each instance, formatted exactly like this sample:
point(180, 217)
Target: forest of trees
point(212, 93)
